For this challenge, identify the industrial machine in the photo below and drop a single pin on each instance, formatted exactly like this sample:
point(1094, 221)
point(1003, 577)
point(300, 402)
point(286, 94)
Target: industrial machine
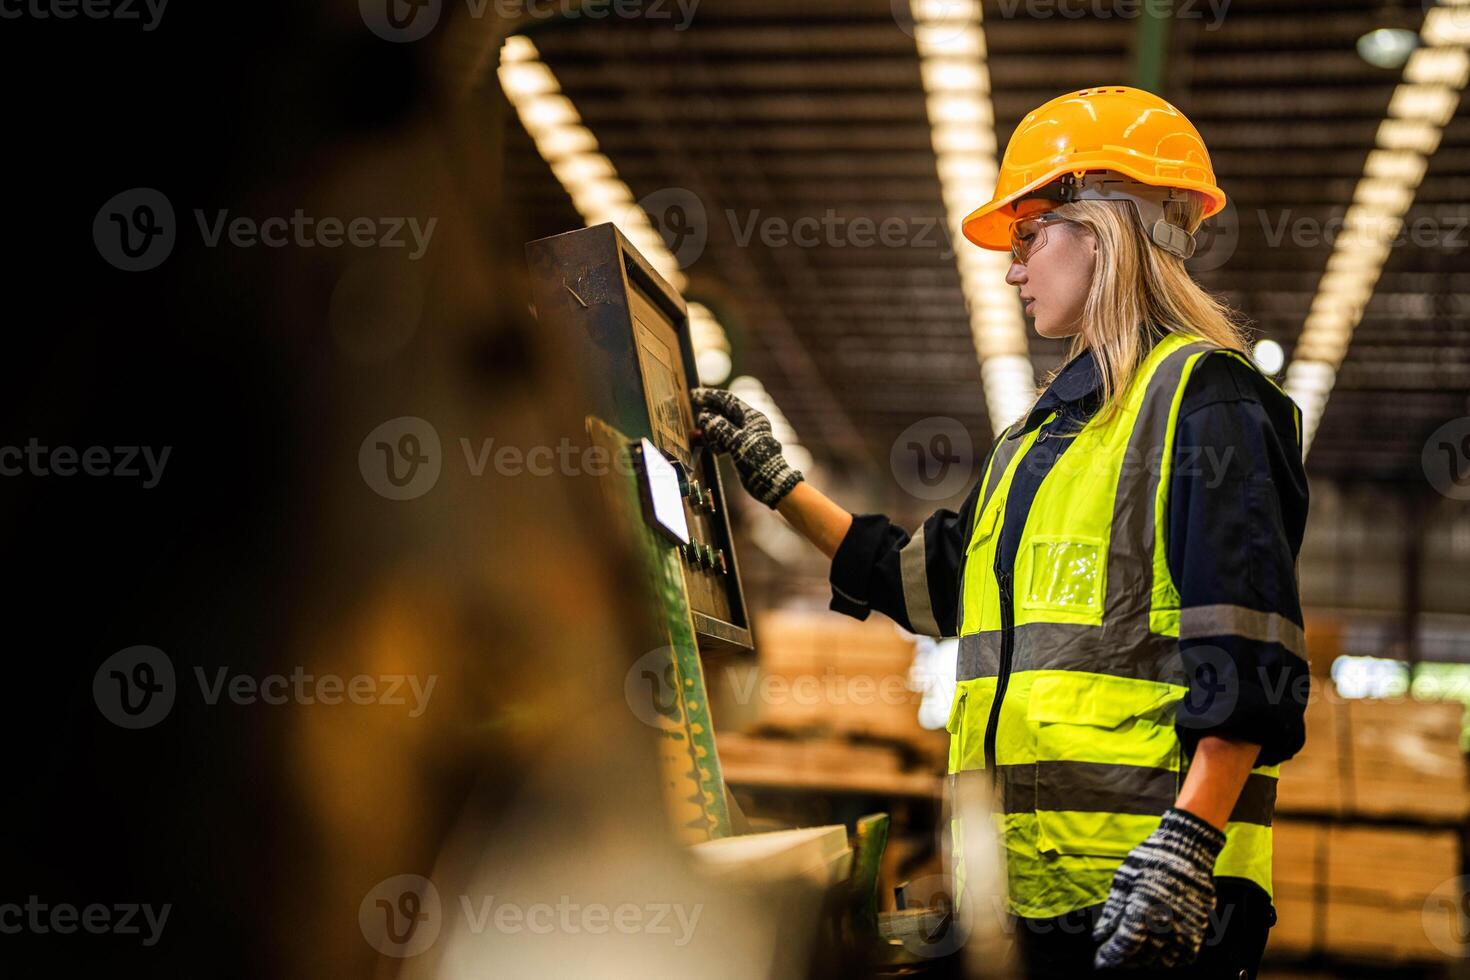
point(630, 346)
point(639, 363)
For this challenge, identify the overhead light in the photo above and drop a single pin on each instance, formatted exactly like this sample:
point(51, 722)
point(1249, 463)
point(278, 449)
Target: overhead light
point(951, 46)
point(600, 196)
point(1401, 165)
point(1408, 134)
point(712, 359)
point(1447, 24)
point(1269, 356)
point(1431, 103)
point(1437, 67)
point(1387, 47)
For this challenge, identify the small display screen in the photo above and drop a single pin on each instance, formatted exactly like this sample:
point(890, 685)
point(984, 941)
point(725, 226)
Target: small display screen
point(665, 499)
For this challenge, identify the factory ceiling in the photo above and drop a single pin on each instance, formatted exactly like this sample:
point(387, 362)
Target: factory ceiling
point(787, 151)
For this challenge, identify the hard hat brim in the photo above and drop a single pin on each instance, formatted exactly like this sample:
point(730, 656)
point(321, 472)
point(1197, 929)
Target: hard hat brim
point(989, 226)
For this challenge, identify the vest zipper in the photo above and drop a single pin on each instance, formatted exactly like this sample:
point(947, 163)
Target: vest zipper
point(1007, 642)
point(1007, 632)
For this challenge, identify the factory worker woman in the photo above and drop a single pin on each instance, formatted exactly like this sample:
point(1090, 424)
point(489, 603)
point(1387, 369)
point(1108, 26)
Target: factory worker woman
point(1122, 576)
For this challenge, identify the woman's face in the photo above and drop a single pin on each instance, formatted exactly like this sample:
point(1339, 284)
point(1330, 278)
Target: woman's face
point(1055, 277)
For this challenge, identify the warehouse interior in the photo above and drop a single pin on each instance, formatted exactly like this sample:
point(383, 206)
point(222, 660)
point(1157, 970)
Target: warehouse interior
point(647, 732)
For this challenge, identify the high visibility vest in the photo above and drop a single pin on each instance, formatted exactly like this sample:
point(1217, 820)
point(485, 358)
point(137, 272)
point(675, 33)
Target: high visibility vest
point(1070, 673)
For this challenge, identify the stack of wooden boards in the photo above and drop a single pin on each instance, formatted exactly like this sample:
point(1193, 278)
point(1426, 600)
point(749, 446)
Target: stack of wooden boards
point(1393, 758)
point(1383, 893)
point(829, 707)
point(828, 763)
point(1367, 833)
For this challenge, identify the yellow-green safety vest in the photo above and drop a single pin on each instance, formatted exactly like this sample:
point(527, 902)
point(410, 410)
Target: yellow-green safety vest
point(1075, 682)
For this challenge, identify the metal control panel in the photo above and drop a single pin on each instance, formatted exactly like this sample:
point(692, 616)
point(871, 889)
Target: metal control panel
point(636, 357)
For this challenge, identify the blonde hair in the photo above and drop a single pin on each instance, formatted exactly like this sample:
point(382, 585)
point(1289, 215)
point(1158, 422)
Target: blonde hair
point(1140, 293)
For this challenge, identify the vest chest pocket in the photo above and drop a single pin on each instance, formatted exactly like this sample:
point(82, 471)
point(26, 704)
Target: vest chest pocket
point(1066, 574)
point(1107, 760)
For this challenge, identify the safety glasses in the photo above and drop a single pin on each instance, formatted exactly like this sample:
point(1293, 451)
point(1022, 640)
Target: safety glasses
point(1029, 233)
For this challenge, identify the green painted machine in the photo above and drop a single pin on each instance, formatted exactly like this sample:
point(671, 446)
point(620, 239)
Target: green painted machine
point(663, 487)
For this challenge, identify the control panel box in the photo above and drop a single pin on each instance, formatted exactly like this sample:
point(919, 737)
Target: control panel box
point(634, 352)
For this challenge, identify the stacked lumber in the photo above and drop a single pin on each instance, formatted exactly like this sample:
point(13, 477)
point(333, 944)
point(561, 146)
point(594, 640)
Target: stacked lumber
point(1311, 782)
point(826, 673)
point(1407, 759)
point(1398, 759)
point(1366, 892)
point(821, 763)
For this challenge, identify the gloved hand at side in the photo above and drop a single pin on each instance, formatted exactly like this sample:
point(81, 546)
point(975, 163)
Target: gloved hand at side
point(731, 426)
point(1159, 908)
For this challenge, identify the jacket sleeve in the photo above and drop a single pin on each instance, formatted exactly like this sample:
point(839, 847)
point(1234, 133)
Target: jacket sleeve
point(1237, 512)
point(914, 580)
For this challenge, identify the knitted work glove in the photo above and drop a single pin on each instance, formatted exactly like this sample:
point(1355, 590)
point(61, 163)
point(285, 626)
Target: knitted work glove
point(1159, 908)
point(731, 426)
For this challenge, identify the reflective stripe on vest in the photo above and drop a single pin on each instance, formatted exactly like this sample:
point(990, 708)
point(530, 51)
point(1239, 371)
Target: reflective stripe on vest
point(1086, 753)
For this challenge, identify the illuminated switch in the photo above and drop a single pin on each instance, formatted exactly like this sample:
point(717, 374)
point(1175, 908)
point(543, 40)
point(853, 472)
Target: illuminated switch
point(721, 565)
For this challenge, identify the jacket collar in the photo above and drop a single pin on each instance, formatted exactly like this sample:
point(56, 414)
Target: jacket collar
point(1073, 393)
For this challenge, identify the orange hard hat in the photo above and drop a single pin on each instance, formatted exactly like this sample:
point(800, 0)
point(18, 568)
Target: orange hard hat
point(1128, 131)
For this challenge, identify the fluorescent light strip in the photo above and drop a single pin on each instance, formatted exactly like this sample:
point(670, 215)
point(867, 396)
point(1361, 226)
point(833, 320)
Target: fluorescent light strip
point(951, 44)
point(1421, 106)
point(600, 196)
